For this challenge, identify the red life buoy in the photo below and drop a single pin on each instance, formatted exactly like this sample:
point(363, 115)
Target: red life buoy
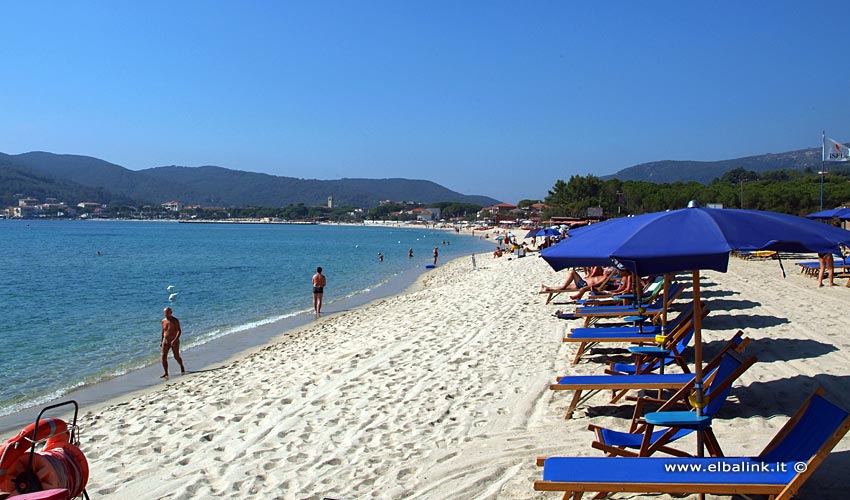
point(59, 464)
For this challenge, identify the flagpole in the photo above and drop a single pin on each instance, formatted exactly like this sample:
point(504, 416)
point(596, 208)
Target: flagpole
point(822, 159)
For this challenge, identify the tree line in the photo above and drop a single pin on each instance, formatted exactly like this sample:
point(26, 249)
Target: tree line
point(788, 191)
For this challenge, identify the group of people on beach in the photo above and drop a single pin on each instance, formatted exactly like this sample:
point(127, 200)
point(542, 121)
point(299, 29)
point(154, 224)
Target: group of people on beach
point(410, 254)
point(594, 277)
point(171, 330)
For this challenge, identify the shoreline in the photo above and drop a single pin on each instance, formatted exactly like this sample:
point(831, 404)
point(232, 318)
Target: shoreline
point(213, 354)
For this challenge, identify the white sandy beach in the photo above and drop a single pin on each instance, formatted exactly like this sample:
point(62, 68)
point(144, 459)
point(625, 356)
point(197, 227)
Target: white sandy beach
point(442, 392)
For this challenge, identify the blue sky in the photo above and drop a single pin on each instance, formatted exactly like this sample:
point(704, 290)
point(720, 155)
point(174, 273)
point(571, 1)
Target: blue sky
point(494, 98)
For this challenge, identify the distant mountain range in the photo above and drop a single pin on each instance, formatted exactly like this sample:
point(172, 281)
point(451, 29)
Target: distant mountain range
point(705, 171)
point(75, 178)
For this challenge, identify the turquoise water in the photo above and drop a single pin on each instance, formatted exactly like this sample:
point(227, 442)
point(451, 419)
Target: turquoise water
point(83, 299)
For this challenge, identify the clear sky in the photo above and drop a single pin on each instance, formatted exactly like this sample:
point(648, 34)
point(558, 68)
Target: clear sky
point(500, 98)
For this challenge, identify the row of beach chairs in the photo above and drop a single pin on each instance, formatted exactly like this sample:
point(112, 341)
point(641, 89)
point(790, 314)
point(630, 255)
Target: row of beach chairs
point(811, 268)
point(778, 471)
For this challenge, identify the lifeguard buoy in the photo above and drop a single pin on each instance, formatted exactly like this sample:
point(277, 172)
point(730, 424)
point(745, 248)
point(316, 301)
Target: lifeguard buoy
point(19, 445)
point(59, 464)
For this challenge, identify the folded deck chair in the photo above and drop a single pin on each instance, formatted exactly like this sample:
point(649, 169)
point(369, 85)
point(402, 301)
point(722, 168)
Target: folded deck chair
point(589, 385)
point(591, 314)
point(646, 441)
point(588, 337)
point(779, 471)
point(551, 294)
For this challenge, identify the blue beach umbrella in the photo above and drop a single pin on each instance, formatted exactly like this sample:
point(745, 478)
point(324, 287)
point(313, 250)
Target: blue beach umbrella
point(530, 234)
point(841, 213)
point(691, 239)
point(548, 232)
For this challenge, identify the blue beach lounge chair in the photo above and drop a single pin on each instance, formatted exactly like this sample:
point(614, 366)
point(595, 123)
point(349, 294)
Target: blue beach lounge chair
point(587, 338)
point(579, 331)
point(649, 359)
point(592, 314)
point(642, 436)
point(779, 471)
point(589, 385)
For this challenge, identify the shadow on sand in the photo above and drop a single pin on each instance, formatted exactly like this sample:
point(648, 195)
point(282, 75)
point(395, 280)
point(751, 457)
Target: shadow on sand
point(732, 305)
point(770, 349)
point(744, 322)
point(775, 398)
point(783, 396)
point(710, 294)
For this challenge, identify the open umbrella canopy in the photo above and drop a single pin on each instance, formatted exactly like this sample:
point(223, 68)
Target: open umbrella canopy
point(531, 234)
point(840, 212)
point(691, 238)
point(548, 232)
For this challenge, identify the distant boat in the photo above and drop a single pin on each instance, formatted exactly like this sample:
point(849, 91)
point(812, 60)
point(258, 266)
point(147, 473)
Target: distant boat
point(172, 296)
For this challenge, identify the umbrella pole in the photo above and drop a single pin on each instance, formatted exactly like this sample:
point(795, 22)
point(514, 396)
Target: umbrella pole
point(664, 304)
point(698, 357)
point(638, 290)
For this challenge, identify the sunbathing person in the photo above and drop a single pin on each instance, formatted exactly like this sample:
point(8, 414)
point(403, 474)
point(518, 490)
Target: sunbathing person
point(625, 286)
point(575, 282)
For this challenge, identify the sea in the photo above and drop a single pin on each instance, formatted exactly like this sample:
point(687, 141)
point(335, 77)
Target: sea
point(83, 300)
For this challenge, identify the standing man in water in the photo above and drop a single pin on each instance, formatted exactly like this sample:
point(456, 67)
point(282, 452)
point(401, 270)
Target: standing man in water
point(170, 341)
point(435, 256)
point(319, 282)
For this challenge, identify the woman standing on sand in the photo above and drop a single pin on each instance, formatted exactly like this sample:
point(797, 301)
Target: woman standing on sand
point(827, 263)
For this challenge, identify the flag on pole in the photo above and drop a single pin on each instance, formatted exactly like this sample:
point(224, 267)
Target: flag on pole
point(834, 151)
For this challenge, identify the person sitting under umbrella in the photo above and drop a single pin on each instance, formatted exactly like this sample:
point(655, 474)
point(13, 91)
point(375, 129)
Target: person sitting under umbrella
point(575, 282)
point(626, 285)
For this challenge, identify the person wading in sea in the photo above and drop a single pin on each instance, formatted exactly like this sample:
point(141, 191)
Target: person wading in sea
point(170, 341)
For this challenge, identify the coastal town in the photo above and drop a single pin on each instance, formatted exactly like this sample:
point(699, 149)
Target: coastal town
point(500, 215)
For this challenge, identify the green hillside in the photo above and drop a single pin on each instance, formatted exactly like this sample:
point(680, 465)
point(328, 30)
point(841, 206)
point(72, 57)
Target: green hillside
point(211, 186)
point(706, 171)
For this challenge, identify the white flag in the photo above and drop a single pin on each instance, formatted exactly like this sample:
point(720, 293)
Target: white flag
point(834, 151)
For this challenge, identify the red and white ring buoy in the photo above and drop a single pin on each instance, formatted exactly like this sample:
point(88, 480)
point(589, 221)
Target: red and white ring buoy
point(59, 464)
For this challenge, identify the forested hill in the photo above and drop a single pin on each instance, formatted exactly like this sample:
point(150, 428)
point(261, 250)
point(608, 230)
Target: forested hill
point(705, 171)
point(79, 178)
